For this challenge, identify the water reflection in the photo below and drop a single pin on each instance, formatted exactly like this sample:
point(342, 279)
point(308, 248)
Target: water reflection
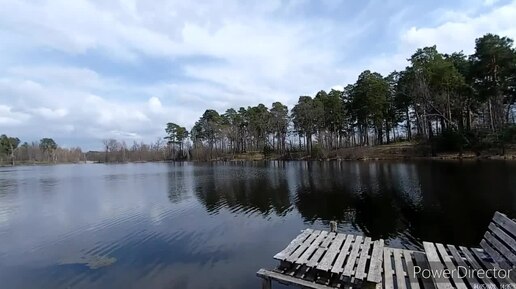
point(180, 182)
point(184, 225)
point(405, 202)
point(243, 188)
point(47, 184)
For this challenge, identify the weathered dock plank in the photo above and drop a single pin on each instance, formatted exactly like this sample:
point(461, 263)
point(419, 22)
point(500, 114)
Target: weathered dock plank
point(314, 260)
point(350, 263)
point(504, 254)
point(375, 267)
point(468, 256)
point(504, 237)
point(331, 254)
point(293, 245)
point(497, 253)
point(436, 265)
point(303, 259)
point(364, 256)
point(289, 280)
point(398, 269)
point(387, 269)
point(413, 282)
point(459, 283)
point(321, 259)
point(504, 222)
point(471, 281)
point(422, 261)
point(485, 260)
point(303, 246)
point(338, 266)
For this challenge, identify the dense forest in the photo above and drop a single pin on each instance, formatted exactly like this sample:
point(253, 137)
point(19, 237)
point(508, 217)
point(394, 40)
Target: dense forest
point(449, 102)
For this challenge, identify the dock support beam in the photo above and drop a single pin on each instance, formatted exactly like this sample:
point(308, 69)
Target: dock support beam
point(266, 283)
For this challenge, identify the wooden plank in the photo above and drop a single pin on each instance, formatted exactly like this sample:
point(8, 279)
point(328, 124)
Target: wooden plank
point(337, 267)
point(327, 242)
point(387, 269)
point(469, 257)
point(489, 265)
point(509, 241)
point(316, 257)
point(494, 254)
point(422, 262)
point(332, 252)
point(375, 266)
point(309, 274)
point(266, 283)
point(364, 255)
point(289, 280)
point(303, 259)
point(506, 223)
point(301, 249)
point(398, 269)
point(459, 283)
point(350, 263)
point(509, 256)
point(473, 283)
point(414, 284)
point(502, 259)
point(299, 271)
point(436, 265)
point(293, 245)
point(473, 262)
point(314, 260)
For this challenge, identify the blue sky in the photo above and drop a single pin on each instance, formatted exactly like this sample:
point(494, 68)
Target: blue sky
point(82, 71)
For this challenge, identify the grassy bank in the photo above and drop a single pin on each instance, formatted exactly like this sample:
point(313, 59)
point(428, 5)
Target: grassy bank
point(396, 151)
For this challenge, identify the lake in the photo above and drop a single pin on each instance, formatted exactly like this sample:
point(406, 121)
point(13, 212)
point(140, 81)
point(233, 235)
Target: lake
point(213, 225)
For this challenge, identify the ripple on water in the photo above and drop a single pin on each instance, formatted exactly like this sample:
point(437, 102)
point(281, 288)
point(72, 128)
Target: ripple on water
point(130, 225)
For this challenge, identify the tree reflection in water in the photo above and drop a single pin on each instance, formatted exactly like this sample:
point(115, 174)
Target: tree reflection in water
point(440, 201)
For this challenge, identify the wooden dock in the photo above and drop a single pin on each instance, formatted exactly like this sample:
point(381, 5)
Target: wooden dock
point(321, 259)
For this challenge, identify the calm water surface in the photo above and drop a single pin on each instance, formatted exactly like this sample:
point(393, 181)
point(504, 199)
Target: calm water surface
point(183, 225)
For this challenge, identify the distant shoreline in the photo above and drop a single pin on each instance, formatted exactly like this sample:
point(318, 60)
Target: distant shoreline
point(397, 151)
point(394, 152)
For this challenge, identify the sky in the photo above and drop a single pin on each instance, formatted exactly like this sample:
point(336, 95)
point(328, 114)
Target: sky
point(83, 71)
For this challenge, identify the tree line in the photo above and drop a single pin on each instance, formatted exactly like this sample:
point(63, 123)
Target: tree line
point(455, 101)
point(116, 151)
point(47, 151)
point(12, 151)
point(463, 100)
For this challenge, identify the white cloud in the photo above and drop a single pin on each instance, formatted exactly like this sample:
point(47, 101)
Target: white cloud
point(8, 117)
point(456, 35)
point(51, 114)
point(155, 105)
point(63, 75)
point(490, 2)
point(52, 108)
point(258, 57)
point(453, 34)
